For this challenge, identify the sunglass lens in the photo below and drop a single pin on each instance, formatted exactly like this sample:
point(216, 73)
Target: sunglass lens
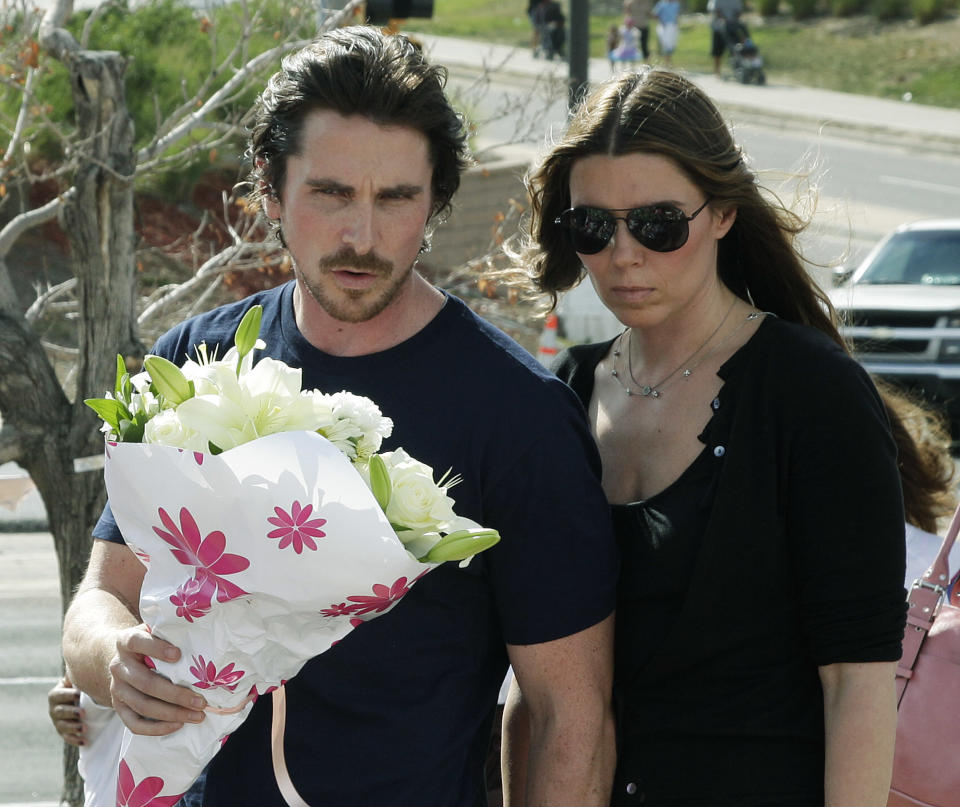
point(590, 229)
point(660, 228)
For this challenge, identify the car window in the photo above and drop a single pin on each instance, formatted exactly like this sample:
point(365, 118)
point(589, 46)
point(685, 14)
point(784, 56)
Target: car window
point(926, 258)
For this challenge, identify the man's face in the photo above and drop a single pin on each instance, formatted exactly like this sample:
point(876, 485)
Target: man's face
point(353, 208)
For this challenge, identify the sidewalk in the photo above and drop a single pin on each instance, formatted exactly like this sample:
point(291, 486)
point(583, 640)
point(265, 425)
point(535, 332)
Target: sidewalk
point(835, 113)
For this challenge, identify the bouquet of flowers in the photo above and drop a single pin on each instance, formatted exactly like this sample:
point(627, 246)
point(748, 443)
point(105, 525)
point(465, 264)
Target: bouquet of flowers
point(270, 525)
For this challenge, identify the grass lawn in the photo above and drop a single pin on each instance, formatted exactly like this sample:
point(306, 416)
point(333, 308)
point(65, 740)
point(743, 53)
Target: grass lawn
point(855, 54)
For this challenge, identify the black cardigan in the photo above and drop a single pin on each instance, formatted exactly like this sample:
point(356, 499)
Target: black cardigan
point(801, 565)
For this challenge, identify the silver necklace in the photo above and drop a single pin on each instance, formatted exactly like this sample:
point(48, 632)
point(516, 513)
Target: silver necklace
point(654, 390)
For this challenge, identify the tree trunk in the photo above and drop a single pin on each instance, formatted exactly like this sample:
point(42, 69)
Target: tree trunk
point(100, 225)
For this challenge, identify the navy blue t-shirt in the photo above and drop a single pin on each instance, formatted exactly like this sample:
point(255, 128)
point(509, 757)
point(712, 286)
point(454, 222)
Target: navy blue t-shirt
point(399, 712)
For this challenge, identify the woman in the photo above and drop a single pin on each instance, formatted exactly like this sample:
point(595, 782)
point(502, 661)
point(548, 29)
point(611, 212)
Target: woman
point(748, 461)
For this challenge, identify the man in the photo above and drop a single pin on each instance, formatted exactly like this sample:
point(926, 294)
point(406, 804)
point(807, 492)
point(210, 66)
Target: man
point(723, 22)
point(639, 11)
point(355, 150)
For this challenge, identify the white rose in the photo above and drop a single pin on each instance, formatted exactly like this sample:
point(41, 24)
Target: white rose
point(417, 502)
point(166, 429)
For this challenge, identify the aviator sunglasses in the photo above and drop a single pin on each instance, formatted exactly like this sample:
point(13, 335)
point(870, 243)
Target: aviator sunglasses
point(661, 228)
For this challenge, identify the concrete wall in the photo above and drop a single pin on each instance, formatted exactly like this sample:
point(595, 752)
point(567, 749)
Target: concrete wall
point(485, 191)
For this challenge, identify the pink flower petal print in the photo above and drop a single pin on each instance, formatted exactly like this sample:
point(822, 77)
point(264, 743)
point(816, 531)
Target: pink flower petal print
point(337, 609)
point(205, 554)
point(208, 677)
point(193, 598)
point(143, 794)
point(296, 528)
point(383, 597)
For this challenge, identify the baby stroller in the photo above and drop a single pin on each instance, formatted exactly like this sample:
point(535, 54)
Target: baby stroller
point(745, 59)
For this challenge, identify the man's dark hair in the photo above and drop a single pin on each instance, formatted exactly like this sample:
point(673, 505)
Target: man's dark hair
point(357, 71)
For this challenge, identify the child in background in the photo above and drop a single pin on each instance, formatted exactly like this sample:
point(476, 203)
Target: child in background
point(628, 48)
point(613, 40)
point(667, 13)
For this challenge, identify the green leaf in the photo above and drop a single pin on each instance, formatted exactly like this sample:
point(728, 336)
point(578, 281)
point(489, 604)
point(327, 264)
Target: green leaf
point(107, 409)
point(121, 374)
point(248, 330)
point(168, 379)
point(460, 545)
point(130, 432)
point(380, 482)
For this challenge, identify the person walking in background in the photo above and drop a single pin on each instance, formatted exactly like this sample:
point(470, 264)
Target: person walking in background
point(724, 17)
point(639, 12)
point(627, 50)
point(748, 460)
point(549, 18)
point(667, 13)
point(355, 150)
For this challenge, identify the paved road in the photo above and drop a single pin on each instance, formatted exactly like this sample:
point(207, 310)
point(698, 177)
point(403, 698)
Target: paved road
point(30, 750)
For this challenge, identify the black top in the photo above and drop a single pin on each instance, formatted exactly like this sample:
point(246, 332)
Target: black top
point(783, 545)
point(399, 712)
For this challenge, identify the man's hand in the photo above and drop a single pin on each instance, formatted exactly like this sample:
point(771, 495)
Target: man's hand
point(146, 701)
point(66, 715)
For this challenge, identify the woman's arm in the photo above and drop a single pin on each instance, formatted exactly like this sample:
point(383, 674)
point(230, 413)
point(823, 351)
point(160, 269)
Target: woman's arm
point(860, 719)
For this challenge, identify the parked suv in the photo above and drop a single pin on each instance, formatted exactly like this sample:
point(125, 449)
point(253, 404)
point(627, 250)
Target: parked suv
point(901, 311)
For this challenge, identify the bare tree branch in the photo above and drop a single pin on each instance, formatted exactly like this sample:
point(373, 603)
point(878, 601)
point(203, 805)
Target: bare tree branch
point(17, 135)
point(54, 38)
point(38, 306)
point(18, 225)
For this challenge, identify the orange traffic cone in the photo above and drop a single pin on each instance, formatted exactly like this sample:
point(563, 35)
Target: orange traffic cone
point(548, 340)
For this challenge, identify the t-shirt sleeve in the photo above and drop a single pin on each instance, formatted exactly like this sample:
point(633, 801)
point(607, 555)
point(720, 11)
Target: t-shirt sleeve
point(845, 519)
point(555, 571)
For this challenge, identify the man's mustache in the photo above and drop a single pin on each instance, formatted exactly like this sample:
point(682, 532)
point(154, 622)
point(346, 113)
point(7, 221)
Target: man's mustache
point(347, 257)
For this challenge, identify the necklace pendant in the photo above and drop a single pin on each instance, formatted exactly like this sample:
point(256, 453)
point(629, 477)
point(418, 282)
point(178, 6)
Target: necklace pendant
point(628, 391)
point(686, 373)
point(646, 391)
point(614, 373)
point(655, 393)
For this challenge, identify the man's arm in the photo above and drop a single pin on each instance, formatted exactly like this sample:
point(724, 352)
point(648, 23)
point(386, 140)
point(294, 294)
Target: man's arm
point(104, 643)
point(860, 716)
point(569, 755)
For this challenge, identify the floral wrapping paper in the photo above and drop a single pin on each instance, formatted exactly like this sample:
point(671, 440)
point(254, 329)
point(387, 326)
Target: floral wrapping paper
point(257, 559)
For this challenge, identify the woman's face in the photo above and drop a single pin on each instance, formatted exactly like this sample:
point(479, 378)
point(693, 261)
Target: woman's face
point(641, 287)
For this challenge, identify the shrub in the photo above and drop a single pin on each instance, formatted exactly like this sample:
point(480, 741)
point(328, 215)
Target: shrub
point(890, 9)
point(768, 8)
point(803, 9)
point(925, 11)
point(848, 8)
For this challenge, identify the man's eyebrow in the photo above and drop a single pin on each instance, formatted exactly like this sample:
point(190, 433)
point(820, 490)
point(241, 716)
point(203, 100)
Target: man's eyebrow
point(328, 185)
point(403, 189)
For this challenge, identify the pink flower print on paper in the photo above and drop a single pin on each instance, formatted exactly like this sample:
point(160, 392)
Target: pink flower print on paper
point(296, 527)
point(141, 794)
point(207, 676)
point(383, 597)
point(338, 609)
point(205, 554)
point(193, 598)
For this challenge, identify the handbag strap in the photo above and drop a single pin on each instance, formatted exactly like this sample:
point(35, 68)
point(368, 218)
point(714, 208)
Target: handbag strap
point(923, 602)
point(284, 782)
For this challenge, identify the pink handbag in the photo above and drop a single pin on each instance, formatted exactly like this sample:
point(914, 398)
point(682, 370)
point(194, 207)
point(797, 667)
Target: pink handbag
point(926, 765)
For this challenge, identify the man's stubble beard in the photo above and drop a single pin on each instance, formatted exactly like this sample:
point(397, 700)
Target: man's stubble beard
point(380, 299)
